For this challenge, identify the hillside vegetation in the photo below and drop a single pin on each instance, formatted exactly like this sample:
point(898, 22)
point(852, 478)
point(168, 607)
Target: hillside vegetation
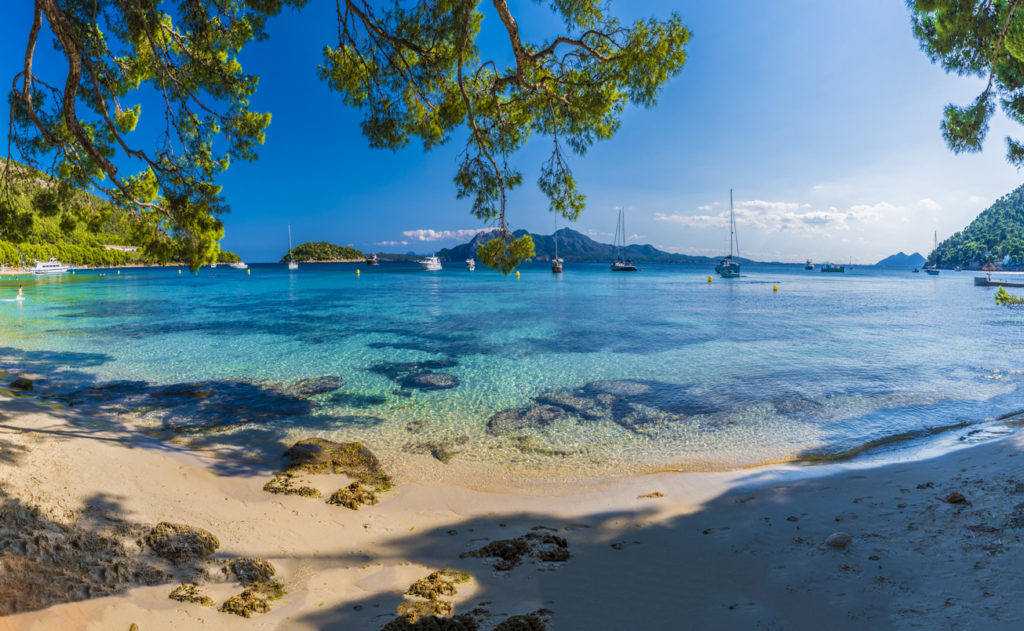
point(47, 231)
point(996, 233)
point(322, 251)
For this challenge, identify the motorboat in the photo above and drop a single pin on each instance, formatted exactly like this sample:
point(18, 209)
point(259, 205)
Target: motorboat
point(53, 266)
point(372, 259)
point(430, 263)
point(471, 264)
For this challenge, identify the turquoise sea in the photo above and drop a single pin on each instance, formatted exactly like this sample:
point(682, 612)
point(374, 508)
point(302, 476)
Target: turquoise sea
point(581, 374)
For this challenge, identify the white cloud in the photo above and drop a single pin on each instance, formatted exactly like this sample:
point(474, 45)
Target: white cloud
point(440, 235)
point(705, 207)
point(929, 204)
point(818, 187)
point(770, 216)
point(594, 233)
point(976, 199)
point(635, 236)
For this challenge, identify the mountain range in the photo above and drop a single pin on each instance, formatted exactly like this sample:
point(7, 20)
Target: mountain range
point(902, 260)
point(577, 247)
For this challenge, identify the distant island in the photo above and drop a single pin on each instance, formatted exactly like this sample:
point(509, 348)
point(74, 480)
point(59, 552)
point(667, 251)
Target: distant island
point(576, 247)
point(902, 260)
point(995, 236)
point(323, 252)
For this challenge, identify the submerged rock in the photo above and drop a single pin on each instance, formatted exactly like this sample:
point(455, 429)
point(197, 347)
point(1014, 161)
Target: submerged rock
point(179, 543)
point(249, 571)
point(429, 381)
point(319, 455)
point(443, 450)
point(317, 385)
point(956, 498)
point(22, 384)
point(396, 370)
point(190, 593)
point(516, 420)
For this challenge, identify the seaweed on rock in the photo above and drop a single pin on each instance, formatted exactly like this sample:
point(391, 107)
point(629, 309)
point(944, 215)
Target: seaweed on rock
point(179, 543)
point(437, 584)
point(190, 593)
point(353, 496)
point(249, 571)
point(510, 552)
point(247, 603)
point(284, 484)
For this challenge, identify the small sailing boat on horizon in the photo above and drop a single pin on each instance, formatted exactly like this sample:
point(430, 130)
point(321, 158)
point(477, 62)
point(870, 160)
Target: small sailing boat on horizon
point(292, 264)
point(621, 263)
point(556, 263)
point(728, 267)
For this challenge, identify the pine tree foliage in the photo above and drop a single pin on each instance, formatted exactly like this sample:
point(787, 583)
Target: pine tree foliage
point(980, 38)
point(414, 67)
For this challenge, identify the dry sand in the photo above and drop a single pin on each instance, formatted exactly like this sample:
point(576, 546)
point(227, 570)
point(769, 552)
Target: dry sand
point(740, 550)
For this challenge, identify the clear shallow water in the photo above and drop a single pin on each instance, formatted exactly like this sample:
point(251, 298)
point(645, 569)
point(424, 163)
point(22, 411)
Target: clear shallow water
point(586, 373)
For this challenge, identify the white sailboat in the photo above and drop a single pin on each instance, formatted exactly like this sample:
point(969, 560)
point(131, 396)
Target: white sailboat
point(728, 267)
point(621, 263)
point(292, 265)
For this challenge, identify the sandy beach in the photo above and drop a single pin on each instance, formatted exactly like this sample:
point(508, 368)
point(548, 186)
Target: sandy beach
point(739, 550)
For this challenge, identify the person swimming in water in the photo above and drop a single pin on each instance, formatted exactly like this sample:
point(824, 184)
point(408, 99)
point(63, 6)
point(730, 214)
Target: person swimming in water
point(21, 296)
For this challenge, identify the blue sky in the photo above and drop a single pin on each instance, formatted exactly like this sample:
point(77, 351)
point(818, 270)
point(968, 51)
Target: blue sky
point(823, 116)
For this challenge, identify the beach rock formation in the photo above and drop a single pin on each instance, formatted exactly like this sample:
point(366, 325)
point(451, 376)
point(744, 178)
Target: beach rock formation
point(180, 543)
point(437, 584)
point(247, 603)
point(353, 496)
point(319, 455)
point(283, 483)
point(190, 593)
point(22, 384)
point(510, 552)
point(249, 571)
point(528, 622)
point(433, 623)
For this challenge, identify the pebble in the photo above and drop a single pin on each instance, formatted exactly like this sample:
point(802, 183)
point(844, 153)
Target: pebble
point(839, 539)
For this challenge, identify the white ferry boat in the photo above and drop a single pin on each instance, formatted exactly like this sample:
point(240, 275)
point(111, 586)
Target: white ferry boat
point(430, 263)
point(53, 266)
point(239, 265)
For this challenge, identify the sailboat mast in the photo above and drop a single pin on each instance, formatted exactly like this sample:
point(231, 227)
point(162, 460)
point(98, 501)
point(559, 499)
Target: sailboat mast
point(732, 224)
point(289, 242)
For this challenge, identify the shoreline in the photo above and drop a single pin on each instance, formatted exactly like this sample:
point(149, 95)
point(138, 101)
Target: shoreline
point(914, 559)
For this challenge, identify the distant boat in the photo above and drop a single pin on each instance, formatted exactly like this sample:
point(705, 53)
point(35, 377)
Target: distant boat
point(917, 271)
point(238, 265)
point(471, 264)
point(430, 263)
point(809, 265)
point(958, 269)
point(372, 259)
point(729, 267)
point(556, 263)
point(834, 268)
point(292, 265)
point(53, 266)
point(621, 263)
